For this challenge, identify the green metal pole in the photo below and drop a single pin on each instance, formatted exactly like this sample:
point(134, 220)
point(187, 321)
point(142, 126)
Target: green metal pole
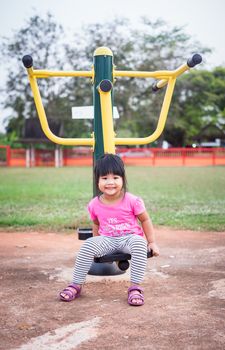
point(103, 69)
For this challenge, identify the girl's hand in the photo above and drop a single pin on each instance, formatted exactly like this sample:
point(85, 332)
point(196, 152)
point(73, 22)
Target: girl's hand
point(154, 248)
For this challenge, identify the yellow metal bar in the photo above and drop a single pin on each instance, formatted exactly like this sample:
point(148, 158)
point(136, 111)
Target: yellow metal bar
point(107, 121)
point(161, 83)
point(176, 73)
point(44, 122)
point(41, 73)
point(180, 70)
point(138, 74)
point(161, 121)
point(157, 74)
point(162, 75)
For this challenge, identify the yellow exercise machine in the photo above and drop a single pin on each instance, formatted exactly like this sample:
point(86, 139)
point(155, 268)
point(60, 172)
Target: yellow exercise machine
point(103, 77)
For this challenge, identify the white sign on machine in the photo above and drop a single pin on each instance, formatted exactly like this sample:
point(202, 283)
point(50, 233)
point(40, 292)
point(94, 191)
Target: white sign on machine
point(87, 112)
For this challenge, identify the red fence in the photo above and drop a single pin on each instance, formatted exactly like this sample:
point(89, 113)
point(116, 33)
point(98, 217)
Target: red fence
point(44, 157)
point(17, 157)
point(174, 156)
point(4, 155)
point(82, 156)
point(77, 156)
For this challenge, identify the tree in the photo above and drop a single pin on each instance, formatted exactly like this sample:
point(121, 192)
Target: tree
point(198, 101)
point(39, 37)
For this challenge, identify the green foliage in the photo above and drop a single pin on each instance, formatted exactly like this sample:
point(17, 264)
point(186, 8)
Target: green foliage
point(40, 38)
point(199, 101)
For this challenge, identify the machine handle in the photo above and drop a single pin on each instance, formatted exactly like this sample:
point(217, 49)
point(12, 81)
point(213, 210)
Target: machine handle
point(194, 60)
point(27, 61)
point(155, 88)
point(191, 62)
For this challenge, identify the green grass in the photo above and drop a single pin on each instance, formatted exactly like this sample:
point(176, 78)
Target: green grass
point(56, 199)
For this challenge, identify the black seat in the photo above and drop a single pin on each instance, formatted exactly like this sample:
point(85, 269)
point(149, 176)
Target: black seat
point(117, 256)
point(120, 257)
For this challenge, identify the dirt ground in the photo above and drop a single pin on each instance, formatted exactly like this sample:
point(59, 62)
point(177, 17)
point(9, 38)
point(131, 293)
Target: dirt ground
point(184, 296)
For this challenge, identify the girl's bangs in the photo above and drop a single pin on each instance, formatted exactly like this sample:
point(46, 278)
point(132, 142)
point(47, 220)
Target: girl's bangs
point(110, 166)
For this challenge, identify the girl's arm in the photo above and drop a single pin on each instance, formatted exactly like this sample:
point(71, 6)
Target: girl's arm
point(148, 229)
point(95, 228)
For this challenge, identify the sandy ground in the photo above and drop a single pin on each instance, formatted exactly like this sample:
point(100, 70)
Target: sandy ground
point(184, 296)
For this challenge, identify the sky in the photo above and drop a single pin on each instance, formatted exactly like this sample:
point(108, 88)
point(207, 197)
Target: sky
point(204, 20)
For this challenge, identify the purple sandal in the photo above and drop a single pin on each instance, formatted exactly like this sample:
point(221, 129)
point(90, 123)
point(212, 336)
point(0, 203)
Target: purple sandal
point(70, 293)
point(139, 295)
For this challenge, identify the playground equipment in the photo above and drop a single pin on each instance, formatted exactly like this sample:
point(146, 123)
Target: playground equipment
point(103, 139)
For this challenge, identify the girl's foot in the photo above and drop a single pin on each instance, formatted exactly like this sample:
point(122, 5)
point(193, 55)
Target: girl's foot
point(135, 296)
point(70, 293)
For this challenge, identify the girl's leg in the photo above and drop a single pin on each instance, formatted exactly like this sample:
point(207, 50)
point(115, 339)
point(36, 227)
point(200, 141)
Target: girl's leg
point(93, 247)
point(137, 246)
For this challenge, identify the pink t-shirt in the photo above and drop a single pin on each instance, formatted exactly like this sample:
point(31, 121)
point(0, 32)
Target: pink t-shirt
point(119, 219)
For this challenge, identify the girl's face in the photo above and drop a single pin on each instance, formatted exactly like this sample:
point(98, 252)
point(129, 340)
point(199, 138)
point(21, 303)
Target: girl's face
point(110, 185)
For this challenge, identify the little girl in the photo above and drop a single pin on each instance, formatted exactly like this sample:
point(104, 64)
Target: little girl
point(114, 213)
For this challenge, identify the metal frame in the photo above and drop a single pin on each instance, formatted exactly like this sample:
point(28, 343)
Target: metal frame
point(165, 77)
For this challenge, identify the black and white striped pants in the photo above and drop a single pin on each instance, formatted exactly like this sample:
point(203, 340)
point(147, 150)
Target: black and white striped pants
point(101, 245)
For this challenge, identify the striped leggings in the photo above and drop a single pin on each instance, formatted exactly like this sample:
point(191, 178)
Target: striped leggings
point(101, 245)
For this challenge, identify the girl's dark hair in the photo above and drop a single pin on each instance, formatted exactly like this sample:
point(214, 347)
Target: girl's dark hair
point(109, 164)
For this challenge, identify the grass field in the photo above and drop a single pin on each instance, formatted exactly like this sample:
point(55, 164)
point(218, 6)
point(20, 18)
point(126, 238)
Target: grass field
point(55, 199)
